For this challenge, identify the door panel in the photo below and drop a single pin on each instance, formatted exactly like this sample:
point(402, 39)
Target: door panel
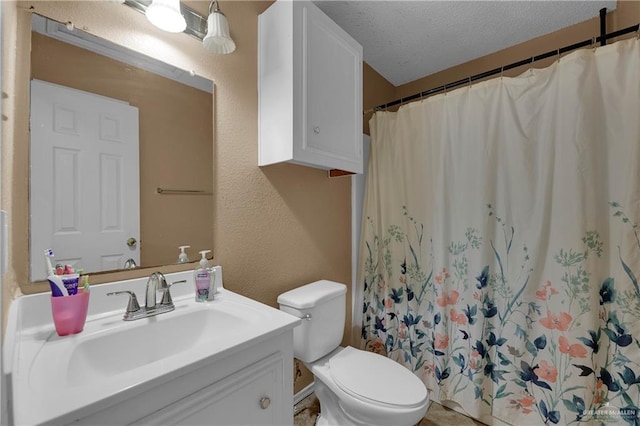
point(84, 179)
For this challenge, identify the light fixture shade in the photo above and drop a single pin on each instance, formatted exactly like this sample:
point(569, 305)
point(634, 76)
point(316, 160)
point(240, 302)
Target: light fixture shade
point(165, 14)
point(218, 39)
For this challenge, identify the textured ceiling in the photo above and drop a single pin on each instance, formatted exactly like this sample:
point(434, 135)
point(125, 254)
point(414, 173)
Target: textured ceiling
point(407, 40)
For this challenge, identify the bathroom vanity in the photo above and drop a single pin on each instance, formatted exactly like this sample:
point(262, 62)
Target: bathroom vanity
point(223, 362)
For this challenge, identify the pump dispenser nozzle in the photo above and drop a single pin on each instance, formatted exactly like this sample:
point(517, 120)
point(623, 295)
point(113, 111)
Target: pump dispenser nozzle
point(204, 262)
point(182, 257)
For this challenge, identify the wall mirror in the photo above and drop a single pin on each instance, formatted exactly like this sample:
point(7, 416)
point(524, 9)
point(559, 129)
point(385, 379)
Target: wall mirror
point(121, 155)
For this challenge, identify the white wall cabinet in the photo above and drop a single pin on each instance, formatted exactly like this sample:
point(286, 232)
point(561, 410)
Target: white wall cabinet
point(310, 89)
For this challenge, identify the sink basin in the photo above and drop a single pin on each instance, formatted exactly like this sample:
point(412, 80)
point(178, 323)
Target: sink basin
point(150, 340)
point(117, 348)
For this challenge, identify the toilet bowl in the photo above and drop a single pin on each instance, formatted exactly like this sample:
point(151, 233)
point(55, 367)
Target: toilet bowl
point(363, 388)
point(354, 387)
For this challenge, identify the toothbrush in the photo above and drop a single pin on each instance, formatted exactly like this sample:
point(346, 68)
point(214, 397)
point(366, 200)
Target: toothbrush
point(48, 255)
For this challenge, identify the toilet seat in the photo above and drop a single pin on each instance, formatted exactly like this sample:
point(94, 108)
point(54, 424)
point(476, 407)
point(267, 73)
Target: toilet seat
point(375, 378)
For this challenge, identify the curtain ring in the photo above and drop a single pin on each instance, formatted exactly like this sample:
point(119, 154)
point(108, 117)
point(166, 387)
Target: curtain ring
point(558, 53)
point(594, 43)
point(501, 72)
point(469, 85)
point(445, 90)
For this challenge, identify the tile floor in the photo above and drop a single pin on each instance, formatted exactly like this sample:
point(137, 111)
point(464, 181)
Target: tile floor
point(307, 410)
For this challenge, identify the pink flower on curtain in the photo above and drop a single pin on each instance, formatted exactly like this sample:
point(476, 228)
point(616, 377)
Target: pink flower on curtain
point(575, 351)
point(600, 394)
point(442, 276)
point(542, 292)
point(458, 318)
point(560, 322)
point(546, 372)
point(441, 341)
point(388, 303)
point(448, 298)
point(525, 403)
point(376, 346)
point(402, 333)
point(475, 361)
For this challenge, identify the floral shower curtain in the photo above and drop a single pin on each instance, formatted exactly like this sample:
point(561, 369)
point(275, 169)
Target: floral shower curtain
point(500, 254)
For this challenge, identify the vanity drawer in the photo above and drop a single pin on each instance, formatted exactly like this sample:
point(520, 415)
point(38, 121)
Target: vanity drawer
point(253, 396)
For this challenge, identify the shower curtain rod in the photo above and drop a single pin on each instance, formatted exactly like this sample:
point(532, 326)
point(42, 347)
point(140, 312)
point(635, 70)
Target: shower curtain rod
point(602, 39)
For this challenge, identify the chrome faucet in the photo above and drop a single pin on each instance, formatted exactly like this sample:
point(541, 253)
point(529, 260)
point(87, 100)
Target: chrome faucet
point(130, 264)
point(155, 283)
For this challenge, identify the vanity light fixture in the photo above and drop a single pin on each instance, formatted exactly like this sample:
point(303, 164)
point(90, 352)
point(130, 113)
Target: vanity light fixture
point(213, 32)
point(165, 14)
point(218, 39)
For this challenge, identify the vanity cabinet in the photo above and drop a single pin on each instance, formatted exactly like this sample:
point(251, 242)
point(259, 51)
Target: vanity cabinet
point(251, 396)
point(309, 89)
point(253, 386)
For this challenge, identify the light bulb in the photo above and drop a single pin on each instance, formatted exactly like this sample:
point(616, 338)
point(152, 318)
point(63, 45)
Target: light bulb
point(165, 14)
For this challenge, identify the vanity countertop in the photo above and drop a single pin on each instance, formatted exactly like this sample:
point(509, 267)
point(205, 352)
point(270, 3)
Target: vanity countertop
point(55, 380)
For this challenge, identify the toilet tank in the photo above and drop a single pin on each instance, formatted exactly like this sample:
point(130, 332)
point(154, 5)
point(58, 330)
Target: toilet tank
point(321, 331)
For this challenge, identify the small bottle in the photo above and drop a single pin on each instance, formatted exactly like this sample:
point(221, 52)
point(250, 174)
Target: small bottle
point(204, 279)
point(182, 257)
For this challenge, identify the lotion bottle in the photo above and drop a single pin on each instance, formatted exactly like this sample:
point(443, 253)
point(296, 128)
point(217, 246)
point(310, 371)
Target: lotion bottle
point(204, 279)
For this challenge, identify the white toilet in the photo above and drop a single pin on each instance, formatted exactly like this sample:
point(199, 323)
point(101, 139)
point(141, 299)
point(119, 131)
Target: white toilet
point(354, 387)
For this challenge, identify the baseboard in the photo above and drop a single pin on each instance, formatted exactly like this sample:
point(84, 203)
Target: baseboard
point(305, 392)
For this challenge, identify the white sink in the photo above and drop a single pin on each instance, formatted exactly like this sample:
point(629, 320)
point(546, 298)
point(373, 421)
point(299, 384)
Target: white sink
point(142, 342)
point(112, 360)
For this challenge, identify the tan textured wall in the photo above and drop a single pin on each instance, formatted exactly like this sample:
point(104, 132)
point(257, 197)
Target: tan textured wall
point(376, 90)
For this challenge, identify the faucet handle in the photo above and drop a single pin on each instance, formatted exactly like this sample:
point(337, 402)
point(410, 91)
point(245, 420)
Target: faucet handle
point(133, 305)
point(166, 293)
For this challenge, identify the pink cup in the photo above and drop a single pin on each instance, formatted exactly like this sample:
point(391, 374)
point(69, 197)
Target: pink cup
point(70, 312)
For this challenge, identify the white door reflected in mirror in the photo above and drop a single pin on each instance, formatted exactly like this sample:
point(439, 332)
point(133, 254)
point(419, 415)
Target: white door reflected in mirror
point(84, 178)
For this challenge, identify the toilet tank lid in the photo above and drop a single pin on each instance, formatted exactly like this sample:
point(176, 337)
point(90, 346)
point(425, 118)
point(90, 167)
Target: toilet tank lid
point(309, 295)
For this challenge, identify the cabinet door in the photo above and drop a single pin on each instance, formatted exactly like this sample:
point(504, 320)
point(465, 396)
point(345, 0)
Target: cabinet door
point(332, 94)
point(252, 396)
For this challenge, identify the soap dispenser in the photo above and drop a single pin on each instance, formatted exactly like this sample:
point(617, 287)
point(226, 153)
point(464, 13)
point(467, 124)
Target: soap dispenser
point(204, 279)
point(182, 257)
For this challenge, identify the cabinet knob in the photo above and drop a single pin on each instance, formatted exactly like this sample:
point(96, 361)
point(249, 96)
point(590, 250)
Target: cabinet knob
point(316, 130)
point(265, 402)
